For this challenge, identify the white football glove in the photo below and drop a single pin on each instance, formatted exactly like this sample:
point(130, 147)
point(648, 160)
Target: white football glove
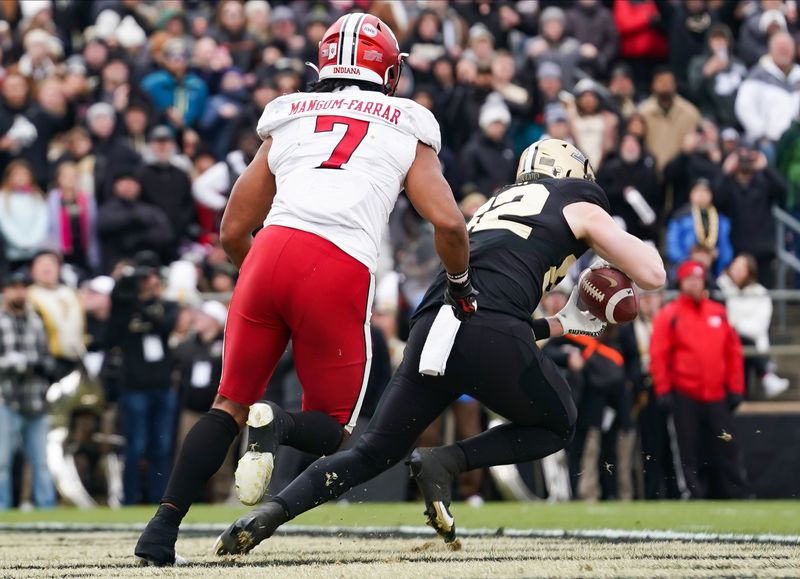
point(598, 263)
point(576, 321)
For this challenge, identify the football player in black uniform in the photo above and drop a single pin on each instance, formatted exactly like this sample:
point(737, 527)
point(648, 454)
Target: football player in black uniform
point(523, 241)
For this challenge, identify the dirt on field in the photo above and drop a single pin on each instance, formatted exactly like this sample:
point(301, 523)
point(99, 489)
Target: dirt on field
point(105, 554)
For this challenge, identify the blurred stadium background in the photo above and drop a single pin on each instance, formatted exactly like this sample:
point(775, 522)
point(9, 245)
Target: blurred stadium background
point(123, 124)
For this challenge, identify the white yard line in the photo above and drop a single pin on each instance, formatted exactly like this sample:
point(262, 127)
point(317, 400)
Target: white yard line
point(412, 531)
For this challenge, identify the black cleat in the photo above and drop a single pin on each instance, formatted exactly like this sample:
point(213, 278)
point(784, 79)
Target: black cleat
point(156, 545)
point(248, 531)
point(434, 482)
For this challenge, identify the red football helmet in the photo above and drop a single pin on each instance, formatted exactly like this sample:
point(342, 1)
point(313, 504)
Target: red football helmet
point(361, 47)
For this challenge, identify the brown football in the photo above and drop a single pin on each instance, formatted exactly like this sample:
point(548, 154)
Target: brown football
point(609, 295)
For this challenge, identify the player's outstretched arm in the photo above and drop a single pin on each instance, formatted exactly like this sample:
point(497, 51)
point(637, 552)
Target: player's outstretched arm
point(433, 199)
point(640, 261)
point(250, 201)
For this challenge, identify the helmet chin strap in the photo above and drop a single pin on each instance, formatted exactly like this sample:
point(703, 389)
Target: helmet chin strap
point(314, 66)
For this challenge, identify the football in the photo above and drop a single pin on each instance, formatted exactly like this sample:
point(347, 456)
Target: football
point(609, 295)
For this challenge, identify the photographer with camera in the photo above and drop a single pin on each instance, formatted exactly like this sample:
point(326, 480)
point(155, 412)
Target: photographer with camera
point(746, 192)
point(140, 324)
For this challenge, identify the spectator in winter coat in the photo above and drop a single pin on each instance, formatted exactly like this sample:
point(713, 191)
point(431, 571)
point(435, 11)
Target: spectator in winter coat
point(746, 192)
point(487, 160)
point(610, 371)
point(222, 113)
point(24, 379)
point(593, 26)
point(60, 309)
point(641, 39)
point(659, 472)
point(73, 220)
point(594, 129)
point(23, 214)
point(17, 133)
point(140, 324)
point(749, 310)
point(769, 98)
point(686, 24)
point(126, 224)
point(177, 94)
point(714, 77)
point(699, 222)
point(697, 368)
point(198, 368)
point(109, 150)
point(167, 186)
point(424, 45)
point(504, 82)
point(629, 179)
point(231, 33)
point(553, 45)
point(622, 90)
point(79, 151)
point(51, 115)
point(549, 89)
point(700, 158)
point(758, 27)
point(669, 118)
point(211, 188)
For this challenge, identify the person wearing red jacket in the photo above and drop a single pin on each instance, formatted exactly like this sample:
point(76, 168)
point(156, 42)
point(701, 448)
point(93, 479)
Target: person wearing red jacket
point(698, 373)
point(642, 42)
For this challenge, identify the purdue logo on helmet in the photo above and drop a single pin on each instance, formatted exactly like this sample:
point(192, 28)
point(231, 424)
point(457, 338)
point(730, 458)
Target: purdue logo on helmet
point(553, 158)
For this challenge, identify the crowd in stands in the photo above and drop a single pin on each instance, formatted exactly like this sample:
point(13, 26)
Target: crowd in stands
point(125, 123)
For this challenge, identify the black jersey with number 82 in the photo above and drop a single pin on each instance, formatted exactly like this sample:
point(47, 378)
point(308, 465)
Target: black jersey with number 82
point(521, 245)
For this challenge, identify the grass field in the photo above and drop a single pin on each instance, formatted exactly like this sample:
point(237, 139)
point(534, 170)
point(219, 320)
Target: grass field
point(782, 517)
point(109, 554)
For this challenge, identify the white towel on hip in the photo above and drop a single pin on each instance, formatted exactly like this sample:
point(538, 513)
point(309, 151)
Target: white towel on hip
point(441, 336)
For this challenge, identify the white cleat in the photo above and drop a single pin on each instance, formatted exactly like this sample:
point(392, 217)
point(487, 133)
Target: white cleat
point(254, 470)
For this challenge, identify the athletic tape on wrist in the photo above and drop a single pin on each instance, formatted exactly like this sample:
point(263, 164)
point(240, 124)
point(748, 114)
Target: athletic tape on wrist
point(459, 278)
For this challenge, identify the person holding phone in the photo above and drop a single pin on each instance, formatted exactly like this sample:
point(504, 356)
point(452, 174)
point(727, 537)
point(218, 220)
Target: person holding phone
point(715, 76)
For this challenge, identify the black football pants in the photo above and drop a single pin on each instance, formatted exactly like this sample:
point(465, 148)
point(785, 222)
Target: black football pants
point(494, 360)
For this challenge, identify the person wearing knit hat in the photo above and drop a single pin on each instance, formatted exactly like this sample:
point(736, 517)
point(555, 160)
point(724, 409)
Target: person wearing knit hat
point(488, 158)
point(697, 368)
point(494, 112)
point(553, 44)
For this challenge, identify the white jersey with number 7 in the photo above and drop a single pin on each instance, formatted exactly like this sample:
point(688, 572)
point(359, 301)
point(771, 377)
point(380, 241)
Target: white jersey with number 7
point(340, 160)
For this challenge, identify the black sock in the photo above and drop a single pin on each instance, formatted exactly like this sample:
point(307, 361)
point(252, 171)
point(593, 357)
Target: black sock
point(201, 455)
point(452, 458)
point(314, 432)
point(169, 514)
point(510, 444)
point(329, 477)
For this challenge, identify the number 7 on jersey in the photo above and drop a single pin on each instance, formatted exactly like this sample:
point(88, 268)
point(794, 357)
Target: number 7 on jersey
point(355, 133)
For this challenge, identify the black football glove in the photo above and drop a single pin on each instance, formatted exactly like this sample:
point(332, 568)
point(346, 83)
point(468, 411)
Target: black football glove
point(461, 295)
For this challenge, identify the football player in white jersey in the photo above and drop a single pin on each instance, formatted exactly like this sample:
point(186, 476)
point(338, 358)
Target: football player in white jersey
point(329, 171)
